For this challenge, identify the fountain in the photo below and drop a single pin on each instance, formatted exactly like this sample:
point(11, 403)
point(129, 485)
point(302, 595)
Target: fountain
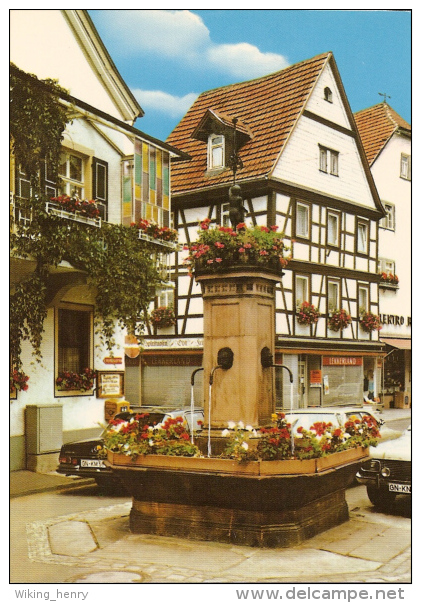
point(256, 503)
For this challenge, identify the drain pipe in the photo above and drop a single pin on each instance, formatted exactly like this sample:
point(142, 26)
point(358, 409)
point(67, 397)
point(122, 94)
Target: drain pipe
point(192, 401)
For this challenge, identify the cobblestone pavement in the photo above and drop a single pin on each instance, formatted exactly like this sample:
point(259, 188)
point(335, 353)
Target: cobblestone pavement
point(364, 550)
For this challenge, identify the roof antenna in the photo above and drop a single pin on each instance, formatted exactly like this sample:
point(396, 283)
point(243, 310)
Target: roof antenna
point(384, 95)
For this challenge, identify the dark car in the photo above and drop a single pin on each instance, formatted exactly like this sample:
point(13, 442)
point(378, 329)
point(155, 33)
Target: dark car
point(388, 471)
point(85, 458)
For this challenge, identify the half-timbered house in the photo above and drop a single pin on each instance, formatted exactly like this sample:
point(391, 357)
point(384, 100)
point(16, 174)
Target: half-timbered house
point(302, 167)
point(386, 138)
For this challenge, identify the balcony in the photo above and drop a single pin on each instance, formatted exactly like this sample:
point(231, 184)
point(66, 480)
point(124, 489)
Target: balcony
point(170, 245)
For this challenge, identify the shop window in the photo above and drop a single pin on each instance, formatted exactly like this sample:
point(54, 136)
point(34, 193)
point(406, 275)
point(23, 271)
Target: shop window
point(74, 328)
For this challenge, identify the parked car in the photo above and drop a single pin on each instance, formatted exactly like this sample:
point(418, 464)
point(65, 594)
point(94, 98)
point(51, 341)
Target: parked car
point(85, 458)
point(388, 471)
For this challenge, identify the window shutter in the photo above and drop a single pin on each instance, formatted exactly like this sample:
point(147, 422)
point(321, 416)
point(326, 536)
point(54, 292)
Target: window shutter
point(100, 185)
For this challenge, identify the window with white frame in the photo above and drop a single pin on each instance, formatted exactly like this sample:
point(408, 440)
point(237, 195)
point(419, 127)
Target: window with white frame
point(328, 161)
point(332, 237)
point(387, 266)
point(216, 151)
point(389, 220)
point(301, 289)
point(302, 220)
point(405, 166)
point(72, 174)
point(332, 296)
point(362, 299)
point(362, 237)
point(165, 298)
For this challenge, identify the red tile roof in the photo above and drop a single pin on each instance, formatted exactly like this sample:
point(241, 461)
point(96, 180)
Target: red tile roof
point(269, 107)
point(376, 125)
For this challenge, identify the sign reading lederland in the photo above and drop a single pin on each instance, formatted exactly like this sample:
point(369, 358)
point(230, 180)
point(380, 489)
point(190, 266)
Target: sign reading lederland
point(342, 361)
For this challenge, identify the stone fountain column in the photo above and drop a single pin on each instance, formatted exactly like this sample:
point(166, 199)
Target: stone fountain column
point(239, 314)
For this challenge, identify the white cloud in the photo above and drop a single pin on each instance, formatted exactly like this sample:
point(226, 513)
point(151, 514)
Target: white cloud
point(174, 106)
point(175, 33)
point(181, 34)
point(245, 60)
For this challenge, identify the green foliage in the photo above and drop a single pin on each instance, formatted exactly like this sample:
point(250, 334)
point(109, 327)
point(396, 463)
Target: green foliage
point(120, 268)
point(37, 121)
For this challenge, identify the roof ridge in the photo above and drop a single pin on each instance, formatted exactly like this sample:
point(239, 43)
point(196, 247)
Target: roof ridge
point(267, 76)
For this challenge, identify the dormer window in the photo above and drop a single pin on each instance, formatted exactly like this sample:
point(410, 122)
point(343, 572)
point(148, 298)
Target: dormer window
point(216, 151)
point(328, 95)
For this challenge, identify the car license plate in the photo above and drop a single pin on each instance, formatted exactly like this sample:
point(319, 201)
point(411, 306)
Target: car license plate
point(92, 463)
point(400, 488)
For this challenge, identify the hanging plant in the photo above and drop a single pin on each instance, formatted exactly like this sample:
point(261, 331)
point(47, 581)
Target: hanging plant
point(370, 322)
point(307, 314)
point(339, 319)
point(163, 317)
point(18, 381)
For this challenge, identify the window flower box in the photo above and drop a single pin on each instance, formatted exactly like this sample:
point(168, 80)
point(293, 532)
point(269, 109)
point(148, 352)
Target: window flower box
point(68, 381)
point(68, 208)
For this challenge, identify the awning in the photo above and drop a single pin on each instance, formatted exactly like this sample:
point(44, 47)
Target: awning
point(400, 344)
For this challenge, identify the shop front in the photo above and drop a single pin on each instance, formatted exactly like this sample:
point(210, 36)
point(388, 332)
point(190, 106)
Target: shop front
point(327, 379)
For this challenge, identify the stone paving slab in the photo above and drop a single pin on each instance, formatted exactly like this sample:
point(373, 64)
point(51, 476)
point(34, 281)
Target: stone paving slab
point(72, 538)
point(162, 560)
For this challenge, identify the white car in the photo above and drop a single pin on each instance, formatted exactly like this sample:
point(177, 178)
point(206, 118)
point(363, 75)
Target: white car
point(388, 471)
point(338, 416)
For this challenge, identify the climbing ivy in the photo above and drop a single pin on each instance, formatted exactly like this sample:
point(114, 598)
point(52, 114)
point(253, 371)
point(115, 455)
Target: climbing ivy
point(119, 267)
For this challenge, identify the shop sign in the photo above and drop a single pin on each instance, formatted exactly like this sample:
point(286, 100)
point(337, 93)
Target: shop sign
point(342, 361)
point(394, 319)
point(112, 360)
point(174, 360)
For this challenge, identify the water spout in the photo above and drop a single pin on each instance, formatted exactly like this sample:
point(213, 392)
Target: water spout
point(267, 362)
point(210, 405)
point(193, 375)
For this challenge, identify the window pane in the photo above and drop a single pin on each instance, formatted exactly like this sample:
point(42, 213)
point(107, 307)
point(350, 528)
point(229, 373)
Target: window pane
point(362, 300)
point(332, 229)
point(333, 296)
point(302, 221)
point(301, 290)
point(404, 166)
point(323, 160)
point(362, 238)
point(75, 168)
point(217, 156)
point(334, 163)
point(73, 340)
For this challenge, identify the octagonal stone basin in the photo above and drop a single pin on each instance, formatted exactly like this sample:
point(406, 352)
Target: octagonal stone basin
point(258, 503)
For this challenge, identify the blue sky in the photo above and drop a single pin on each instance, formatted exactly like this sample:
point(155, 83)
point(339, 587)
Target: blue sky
point(168, 57)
